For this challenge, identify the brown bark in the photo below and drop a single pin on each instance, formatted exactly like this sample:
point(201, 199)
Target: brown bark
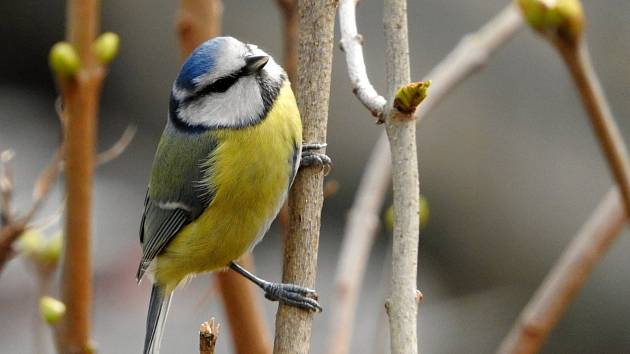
point(80, 96)
point(315, 45)
point(197, 21)
point(567, 277)
point(243, 311)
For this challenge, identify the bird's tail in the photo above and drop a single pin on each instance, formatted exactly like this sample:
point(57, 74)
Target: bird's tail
point(156, 318)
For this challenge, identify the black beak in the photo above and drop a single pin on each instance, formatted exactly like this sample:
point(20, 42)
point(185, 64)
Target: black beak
point(254, 63)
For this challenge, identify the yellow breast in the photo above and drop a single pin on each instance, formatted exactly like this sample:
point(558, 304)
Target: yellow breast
point(251, 171)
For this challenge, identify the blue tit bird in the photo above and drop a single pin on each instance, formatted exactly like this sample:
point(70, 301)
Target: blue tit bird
point(223, 167)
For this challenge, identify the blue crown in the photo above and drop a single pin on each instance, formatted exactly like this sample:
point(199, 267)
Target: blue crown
point(200, 62)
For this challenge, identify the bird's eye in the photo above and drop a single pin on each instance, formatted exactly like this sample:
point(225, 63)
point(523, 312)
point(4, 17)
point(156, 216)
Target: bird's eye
point(223, 84)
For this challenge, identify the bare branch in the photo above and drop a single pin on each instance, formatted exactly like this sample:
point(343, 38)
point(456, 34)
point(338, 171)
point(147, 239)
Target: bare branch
point(10, 231)
point(401, 131)
point(197, 21)
point(208, 335)
point(315, 45)
point(80, 95)
point(352, 43)
point(363, 222)
point(468, 56)
point(569, 274)
point(602, 120)
point(290, 11)
point(119, 146)
point(6, 187)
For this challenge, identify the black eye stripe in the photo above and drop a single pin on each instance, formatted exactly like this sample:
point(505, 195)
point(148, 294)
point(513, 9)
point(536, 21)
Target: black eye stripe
point(219, 85)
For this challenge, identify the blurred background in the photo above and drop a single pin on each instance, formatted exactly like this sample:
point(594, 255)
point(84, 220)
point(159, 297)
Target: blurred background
point(508, 163)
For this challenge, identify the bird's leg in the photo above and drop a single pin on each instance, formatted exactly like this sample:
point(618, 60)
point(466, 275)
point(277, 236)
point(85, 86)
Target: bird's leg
point(312, 158)
point(289, 294)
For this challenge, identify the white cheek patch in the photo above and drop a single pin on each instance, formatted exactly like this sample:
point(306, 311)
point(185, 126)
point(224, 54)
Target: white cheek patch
point(239, 106)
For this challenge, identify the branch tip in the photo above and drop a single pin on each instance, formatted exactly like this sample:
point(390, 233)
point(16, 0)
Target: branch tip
point(557, 20)
point(208, 335)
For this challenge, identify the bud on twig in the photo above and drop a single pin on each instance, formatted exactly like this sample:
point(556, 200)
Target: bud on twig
point(40, 249)
point(556, 19)
point(423, 212)
point(410, 95)
point(52, 250)
point(106, 47)
point(64, 59)
point(51, 310)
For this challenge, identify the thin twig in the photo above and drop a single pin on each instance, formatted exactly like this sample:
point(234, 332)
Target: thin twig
point(351, 43)
point(197, 21)
point(10, 232)
point(469, 55)
point(566, 278)
point(363, 222)
point(6, 187)
point(290, 29)
point(119, 146)
point(579, 63)
point(315, 46)
point(401, 131)
point(80, 94)
point(591, 243)
point(208, 335)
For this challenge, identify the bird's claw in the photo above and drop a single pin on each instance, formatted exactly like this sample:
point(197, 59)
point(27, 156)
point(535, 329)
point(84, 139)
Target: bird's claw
point(293, 295)
point(311, 158)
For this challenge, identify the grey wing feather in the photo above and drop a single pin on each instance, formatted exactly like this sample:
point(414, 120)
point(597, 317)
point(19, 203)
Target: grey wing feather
point(168, 211)
point(162, 225)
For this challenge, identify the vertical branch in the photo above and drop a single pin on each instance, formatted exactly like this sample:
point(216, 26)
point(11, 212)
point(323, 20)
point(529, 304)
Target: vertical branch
point(290, 14)
point(199, 20)
point(315, 44)
point(470, 54)
point(80, 97)
point(363, 222)
point(249, 333)
point(569, 274)
point(401, 131)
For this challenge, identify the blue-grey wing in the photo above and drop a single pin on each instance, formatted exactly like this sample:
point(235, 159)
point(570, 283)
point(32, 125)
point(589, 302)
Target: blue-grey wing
point(178, 192)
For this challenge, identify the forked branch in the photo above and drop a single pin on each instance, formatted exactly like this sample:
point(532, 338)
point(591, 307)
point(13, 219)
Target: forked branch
point(472, 52)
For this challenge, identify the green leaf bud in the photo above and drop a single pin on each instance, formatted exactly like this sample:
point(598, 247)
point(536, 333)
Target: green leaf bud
point(51, 310)
point(31, 242)
point(52, 250)
point(557, 19)
point(106, 47)
point(64, 59)
point(409, 96)
point(423, 214)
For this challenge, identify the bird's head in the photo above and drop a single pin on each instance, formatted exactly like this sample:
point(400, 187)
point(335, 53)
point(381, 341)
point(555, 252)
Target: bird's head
point(225, 83)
